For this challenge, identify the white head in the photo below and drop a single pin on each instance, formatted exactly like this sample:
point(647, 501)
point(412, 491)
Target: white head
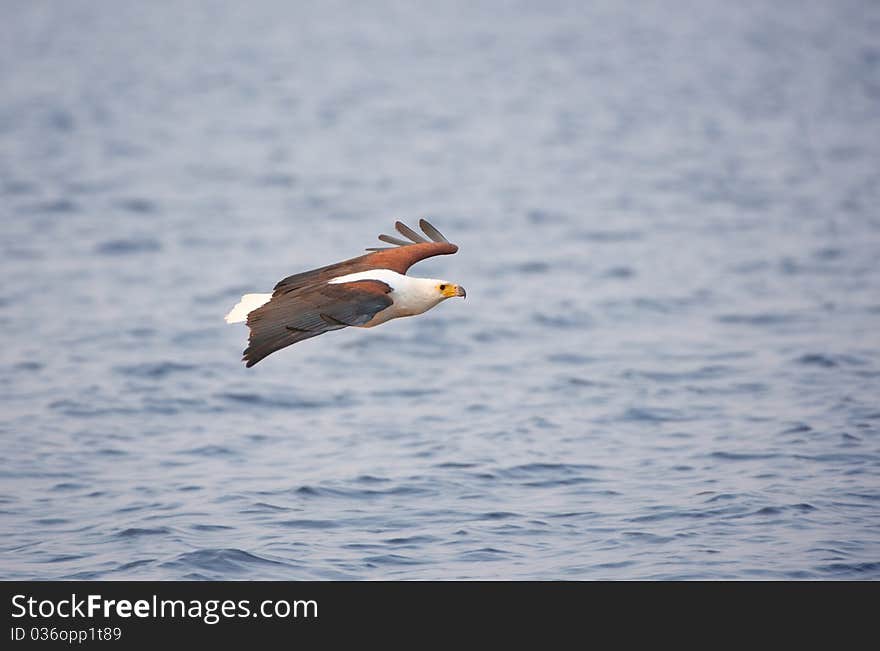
point(416, 295)
point(436, 290)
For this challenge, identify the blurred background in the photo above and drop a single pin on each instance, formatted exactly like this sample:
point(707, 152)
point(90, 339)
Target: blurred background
point(667, 366)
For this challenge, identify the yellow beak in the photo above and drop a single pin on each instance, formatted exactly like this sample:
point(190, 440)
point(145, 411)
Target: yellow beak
point(454, 290)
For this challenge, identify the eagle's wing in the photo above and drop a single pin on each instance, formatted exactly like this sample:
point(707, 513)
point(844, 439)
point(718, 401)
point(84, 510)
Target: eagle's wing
point(305, 312)
point(399, 257)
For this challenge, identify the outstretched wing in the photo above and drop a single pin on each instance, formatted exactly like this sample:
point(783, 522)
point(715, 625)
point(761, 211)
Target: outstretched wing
point(404, 254)
point(293, 316)
point(399, 257)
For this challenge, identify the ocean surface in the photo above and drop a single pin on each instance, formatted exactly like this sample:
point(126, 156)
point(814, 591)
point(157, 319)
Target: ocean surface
point(667, 365)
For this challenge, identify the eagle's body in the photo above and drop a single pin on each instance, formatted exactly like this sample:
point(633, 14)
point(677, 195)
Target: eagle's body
point(409, 296)
point(362, 292)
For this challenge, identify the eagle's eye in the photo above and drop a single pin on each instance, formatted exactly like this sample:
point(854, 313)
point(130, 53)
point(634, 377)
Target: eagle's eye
point(442, 288)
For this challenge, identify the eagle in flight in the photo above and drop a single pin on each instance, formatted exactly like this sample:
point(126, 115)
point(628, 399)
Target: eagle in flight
point(362, 292)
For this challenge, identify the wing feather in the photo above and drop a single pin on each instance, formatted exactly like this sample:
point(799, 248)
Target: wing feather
point(406, 231)
point(431, 232)
point(390, 239)
point(297, 315)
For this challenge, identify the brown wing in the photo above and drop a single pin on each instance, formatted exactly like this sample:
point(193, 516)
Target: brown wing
point(398, 258)
point(298, 314)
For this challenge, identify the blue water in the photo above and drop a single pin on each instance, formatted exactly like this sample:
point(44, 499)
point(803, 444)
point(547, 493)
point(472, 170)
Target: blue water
point(667, 366)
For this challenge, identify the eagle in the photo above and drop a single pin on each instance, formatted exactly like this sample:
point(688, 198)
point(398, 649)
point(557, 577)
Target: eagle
point(361, 292)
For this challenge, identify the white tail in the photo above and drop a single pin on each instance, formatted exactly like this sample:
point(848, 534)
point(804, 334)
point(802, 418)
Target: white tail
point(247, 304)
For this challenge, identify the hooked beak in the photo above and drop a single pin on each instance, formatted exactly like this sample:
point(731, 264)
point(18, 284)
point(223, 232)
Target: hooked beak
point(459, 291)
